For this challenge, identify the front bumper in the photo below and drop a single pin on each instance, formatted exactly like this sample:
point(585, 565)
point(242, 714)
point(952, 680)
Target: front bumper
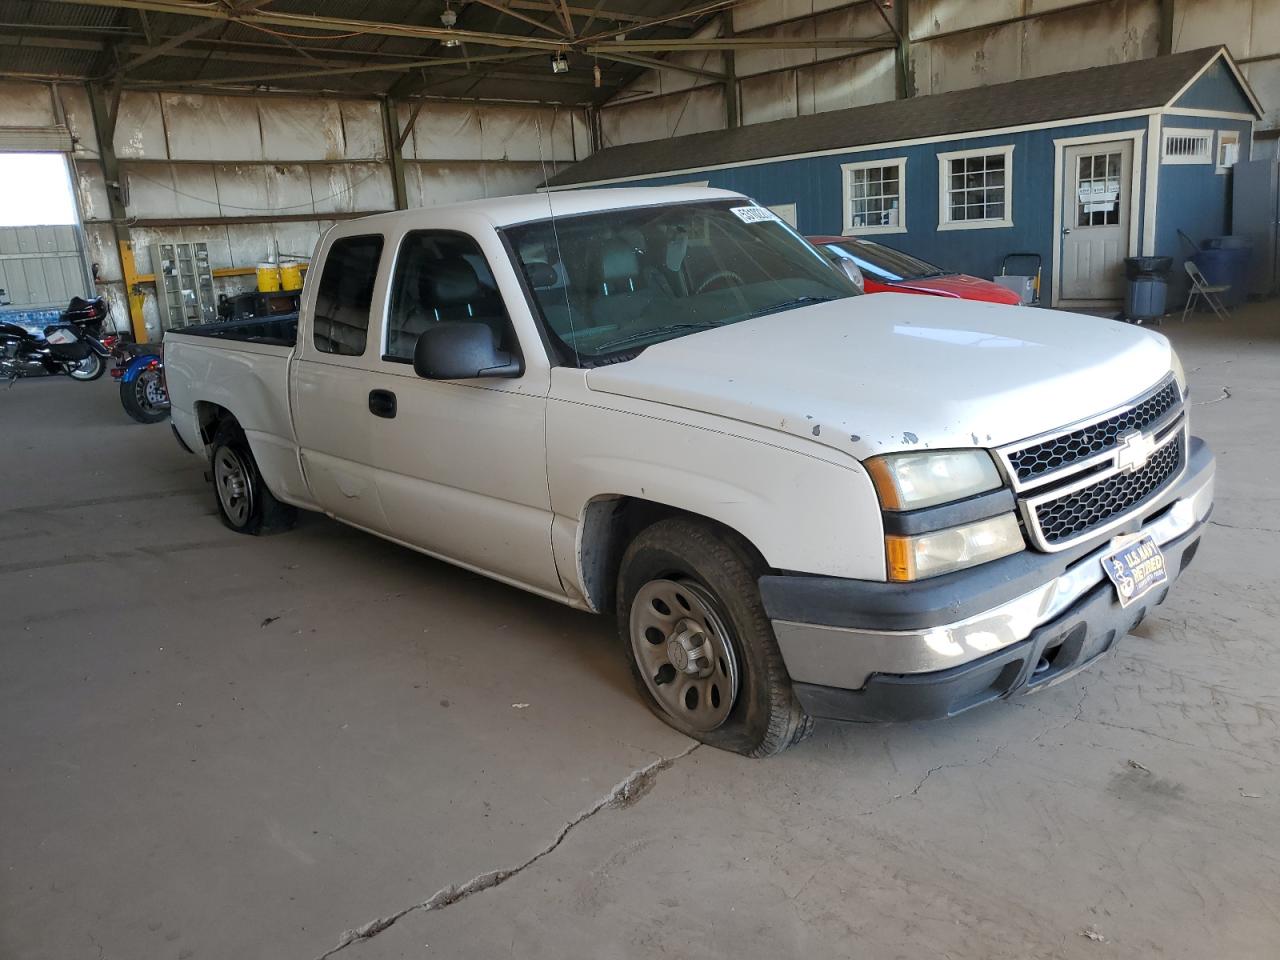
point(858, 650)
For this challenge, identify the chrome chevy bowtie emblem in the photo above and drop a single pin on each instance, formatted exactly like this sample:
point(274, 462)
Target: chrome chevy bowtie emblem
point(1133, 450)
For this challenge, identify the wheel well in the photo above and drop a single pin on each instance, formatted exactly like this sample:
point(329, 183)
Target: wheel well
point(211, 416)
point(609, 524)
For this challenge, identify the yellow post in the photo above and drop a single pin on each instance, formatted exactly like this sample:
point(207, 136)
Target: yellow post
point(129, 273)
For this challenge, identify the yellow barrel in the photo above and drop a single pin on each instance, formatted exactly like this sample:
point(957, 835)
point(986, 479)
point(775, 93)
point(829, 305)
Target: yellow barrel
point(290, 275)
point(268, 277)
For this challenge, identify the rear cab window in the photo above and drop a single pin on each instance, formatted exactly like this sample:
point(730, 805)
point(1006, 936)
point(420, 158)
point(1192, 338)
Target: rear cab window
point(341, 315)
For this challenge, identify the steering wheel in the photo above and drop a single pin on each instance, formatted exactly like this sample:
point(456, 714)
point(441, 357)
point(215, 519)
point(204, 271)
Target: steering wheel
point(718, 275)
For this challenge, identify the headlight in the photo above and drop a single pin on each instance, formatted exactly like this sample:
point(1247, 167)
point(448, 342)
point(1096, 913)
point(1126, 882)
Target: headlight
point(1178, 373)
point(908, 481)
point(931, 554)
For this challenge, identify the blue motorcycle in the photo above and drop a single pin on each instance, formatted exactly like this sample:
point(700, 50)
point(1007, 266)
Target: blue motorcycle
point(140, 371)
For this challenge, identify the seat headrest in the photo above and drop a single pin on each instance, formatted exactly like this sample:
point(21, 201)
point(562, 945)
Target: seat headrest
point(618, 261)
point(449, 282)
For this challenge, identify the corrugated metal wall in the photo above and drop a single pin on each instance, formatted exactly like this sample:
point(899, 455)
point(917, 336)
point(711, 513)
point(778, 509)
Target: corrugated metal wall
point(250, 175)
point(40, 266)
point(955, 44)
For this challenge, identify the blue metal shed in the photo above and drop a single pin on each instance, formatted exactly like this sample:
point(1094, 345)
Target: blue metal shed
point(1084, 168)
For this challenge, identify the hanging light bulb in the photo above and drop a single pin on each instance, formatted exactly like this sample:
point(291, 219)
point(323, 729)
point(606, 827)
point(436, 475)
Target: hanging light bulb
point(449, 19)
point(595, 74)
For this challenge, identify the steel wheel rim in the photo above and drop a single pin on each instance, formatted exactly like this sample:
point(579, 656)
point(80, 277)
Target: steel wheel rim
point(149, 392)
point(682, 647)
point(231, 480)
point(86, 368)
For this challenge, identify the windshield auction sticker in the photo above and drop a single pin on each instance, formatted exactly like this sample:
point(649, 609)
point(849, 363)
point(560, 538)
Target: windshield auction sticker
point(753, 214)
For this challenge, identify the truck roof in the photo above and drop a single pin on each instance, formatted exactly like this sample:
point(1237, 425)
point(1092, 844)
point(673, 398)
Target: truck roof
point(504, 211)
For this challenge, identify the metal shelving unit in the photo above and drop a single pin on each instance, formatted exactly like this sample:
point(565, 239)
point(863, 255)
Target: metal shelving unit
point(184, 284)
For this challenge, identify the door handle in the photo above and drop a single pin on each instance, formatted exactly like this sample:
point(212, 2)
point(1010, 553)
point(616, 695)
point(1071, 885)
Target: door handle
point(382, 403)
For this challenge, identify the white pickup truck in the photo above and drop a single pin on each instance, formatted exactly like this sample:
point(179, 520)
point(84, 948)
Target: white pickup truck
point(799, 501)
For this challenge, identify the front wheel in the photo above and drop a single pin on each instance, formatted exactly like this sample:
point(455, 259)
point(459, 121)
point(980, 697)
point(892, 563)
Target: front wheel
point(700, 645)
point(244, 502)
point(90, 368)
point(144, 398)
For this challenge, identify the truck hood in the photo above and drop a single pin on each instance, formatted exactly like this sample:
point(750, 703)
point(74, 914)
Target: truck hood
point(884, 372)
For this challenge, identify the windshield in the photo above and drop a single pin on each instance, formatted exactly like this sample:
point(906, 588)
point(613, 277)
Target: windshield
point(609, 284)
point(881, 262)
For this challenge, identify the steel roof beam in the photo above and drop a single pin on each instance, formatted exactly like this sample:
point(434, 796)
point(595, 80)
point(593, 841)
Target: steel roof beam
point(341, 71)
point(615, 15)
point(739, 43)
point(170, 44)
point(507, 9)
point(302, 21)
point(653, 63)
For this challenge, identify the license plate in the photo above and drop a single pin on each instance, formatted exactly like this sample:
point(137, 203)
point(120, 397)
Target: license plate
point(1135, 568)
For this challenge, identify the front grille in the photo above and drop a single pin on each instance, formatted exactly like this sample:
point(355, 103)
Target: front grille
point(1072, 515)
point(1048, 455)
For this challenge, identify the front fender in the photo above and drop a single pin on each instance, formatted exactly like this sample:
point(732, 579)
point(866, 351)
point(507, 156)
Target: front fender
point(797, 505)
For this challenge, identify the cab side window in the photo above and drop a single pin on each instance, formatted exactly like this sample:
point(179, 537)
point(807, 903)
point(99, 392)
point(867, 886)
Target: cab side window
point(346, 291)
point(442, 277)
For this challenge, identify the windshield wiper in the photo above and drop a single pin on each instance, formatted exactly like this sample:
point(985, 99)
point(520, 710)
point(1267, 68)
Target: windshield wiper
point(653, 331)
point(788, 305)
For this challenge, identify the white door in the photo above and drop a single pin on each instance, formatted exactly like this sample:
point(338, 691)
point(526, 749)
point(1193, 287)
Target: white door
point(462, 465)
point(331, 385)
point(1095, 219)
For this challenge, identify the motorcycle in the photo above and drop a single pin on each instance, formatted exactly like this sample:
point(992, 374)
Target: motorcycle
point(73, 345)
point(140, 371)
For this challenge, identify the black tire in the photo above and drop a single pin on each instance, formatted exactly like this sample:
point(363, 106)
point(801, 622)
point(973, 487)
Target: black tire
point(765, 717)
point(133, 398)
point(244, 502)
point(90, 368)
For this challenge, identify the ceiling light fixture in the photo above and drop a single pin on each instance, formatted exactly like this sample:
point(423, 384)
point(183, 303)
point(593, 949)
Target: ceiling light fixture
point(449, 19)
point(559, 63)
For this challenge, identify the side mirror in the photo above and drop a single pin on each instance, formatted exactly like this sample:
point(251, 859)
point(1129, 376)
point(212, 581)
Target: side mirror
point(853, 272)
point(462, 351)
point(541, 275)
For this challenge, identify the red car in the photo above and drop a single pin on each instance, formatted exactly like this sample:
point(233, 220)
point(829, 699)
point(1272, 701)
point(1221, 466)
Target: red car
point(887, 270)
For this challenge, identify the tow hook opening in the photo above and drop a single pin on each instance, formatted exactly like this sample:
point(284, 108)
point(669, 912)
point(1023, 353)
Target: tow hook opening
point(1047, 659)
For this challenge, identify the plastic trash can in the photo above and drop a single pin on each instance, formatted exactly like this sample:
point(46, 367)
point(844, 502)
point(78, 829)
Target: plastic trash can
point(1226, 260)
point(1147, 292)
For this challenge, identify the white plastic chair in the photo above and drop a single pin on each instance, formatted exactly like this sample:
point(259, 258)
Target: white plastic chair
point(1208, 292)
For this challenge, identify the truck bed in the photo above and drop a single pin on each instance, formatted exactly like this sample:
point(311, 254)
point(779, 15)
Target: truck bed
point(279, 331)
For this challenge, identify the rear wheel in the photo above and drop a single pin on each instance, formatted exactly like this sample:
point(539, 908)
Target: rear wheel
point(701, 647)
point(90, 368)
point(144, 398)
point(244, 502)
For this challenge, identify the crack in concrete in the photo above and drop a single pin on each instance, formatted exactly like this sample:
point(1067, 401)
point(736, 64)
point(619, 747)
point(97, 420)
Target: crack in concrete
point(1232, 526)
point(1079, 712)
point(1225, 395)
point(624, 794)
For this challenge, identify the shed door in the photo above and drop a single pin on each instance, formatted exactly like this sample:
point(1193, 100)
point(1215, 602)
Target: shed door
point(1095, 219)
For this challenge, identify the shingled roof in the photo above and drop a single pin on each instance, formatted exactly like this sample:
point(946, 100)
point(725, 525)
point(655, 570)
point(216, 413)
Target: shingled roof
point(1120, 87)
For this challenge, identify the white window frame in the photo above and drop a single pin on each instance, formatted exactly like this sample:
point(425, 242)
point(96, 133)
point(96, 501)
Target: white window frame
point(944, 189)
point(1226, 137)
point(848, 168)
point(1197, 133)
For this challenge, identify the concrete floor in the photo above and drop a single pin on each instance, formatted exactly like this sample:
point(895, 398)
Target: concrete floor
point(216, 746)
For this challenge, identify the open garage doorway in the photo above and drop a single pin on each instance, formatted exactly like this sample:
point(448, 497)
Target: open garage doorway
point(42, 256)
